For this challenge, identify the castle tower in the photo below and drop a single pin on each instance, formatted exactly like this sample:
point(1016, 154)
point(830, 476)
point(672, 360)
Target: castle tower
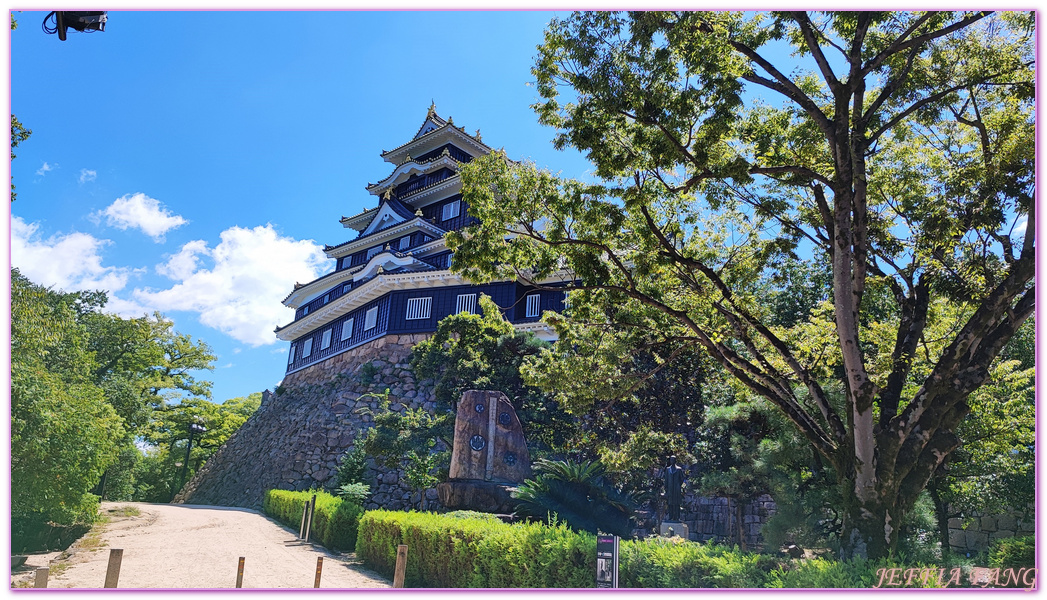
point(354, 328)
point(394, 277)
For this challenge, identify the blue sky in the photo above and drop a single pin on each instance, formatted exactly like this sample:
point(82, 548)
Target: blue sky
point(195, 163)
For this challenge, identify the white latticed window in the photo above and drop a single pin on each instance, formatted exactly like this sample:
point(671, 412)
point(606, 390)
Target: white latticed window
point(451, 210)
point(325, 340)
point(372, 251)
point(290, 357)
point(466, 303)
point(405, 242)
point(533, 302)
point(347, 329)
point(418, 308)
point(370, 318)
point(307, 347)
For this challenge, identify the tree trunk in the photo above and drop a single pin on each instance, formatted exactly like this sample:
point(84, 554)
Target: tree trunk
point(870, 529)
point(941, 513)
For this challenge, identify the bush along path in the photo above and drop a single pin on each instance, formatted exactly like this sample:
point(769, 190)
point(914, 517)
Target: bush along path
point(191, 546)
point(467, 549)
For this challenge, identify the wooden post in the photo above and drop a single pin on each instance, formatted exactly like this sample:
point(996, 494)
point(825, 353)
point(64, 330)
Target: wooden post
point(319, 568)
point(112, 573)
point(301, 530)
point(309, 522)
point(240, 573)
point(41, 577)
point(401, 566)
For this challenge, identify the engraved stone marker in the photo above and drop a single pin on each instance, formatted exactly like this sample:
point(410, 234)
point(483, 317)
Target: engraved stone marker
point(488, 455)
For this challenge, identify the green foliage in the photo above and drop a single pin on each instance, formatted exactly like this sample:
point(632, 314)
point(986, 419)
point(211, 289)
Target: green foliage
point(484, 352)
point(676, 563)
point(63, 432)
point(577, 495)
point(1013, 552)
point(335, 520)
point(463, 550)
point(356, 492)
point(168, 433)
point(19, 133)
point(353, 467)
point(408, 440)
point(460, 551)
point(634, 465)
point(902, 149)
point(368, 372)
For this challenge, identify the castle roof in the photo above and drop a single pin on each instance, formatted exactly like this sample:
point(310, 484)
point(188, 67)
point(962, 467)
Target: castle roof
point(434, 132)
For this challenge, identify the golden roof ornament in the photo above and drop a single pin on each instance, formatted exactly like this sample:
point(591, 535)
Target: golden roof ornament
point(450, 120)
point(477, 136)
point(388, 193)
point(380, 270)
point(418, 213)
point(432, 110)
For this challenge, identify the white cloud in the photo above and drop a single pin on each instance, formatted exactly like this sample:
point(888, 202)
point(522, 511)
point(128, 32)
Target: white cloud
point(239, 290)
point(70, 262)
point(87, 175)
point(1019, 228)
point(142, 212)
point(46, 168)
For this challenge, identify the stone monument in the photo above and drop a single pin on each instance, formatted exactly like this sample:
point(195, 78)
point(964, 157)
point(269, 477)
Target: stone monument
point(489, 454)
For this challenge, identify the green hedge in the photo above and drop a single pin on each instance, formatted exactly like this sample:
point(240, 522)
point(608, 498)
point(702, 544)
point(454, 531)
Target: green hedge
point(335, 521)
point(460, 550)
point(454, 552)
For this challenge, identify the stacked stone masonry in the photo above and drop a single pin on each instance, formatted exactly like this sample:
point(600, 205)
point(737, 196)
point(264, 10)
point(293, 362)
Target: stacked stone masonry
point(297, 437)
point(973, 535)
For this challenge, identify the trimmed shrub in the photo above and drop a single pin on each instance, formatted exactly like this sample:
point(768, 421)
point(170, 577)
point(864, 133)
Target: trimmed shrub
point(463, 551)
point(1013, 552)
point(460, 550)
point(335, 521)
point(676, 563)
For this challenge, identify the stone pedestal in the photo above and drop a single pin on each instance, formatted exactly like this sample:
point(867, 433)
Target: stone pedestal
point(482, 496)
point(679, 529)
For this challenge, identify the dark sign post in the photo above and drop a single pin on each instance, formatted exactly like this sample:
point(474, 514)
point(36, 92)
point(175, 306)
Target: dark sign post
point(607, 561)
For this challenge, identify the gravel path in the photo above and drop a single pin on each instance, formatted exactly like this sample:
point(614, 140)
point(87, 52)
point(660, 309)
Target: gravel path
point(187, 546)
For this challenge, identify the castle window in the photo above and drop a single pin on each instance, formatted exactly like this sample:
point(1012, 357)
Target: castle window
point(426, 238)
point(533, 302)
point(305, 310)
point(347, 287)
point(418, 308)
point(325, 341)
point(347, 329)
point(372, 251)
point(567, 299)
point(307, 347)
point(405, 242)
point(290, 357)
point(466, 303)
point(451, 209)
point(370, 318)
point(327, 298)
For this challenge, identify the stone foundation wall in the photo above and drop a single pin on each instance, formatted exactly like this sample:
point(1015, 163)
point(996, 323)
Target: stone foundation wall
point(718, 519)
point(296, 438)
point(972, 536)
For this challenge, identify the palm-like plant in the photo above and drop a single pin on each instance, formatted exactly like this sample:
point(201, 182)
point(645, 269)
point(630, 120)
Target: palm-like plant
point(576, 493)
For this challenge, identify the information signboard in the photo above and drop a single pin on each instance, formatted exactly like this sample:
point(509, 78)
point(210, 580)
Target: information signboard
point(607, 561)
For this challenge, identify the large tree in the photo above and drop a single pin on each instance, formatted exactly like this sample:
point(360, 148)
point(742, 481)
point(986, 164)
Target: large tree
point(899, 144)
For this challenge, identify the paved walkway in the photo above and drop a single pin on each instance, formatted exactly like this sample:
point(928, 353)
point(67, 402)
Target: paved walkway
point(187, 546)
